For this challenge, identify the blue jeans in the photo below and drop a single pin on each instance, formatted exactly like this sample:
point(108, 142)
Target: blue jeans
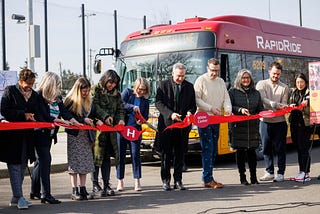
point(273, 138)
point(135, 157)
point(209, 143)
point(16, 174)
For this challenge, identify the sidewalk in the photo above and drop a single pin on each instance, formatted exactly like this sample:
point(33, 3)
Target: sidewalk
point(58, 154)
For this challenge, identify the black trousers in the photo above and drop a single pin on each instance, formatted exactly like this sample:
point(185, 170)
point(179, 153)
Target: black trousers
point(241, 155)
point(41, 171)
point(172, 153)
point(300, 136)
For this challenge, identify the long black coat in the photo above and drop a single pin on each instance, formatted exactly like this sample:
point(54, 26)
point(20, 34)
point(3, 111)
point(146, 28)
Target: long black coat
point(245, 134)
point(166, 104)
point(13, 109)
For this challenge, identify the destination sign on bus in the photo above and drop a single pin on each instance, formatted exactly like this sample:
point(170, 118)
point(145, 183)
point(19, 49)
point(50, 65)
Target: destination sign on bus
point(163, 43)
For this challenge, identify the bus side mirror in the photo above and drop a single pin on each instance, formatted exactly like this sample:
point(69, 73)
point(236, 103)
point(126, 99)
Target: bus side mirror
point(97, 66)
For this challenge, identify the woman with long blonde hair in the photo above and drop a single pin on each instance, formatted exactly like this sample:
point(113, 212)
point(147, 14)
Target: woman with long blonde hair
point(79, 142)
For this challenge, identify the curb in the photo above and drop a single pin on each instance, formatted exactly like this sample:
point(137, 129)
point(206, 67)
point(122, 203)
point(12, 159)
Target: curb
point(62, 167)
point(56, 168)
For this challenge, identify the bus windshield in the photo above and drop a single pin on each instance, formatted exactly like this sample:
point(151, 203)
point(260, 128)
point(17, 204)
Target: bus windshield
point(157, 67)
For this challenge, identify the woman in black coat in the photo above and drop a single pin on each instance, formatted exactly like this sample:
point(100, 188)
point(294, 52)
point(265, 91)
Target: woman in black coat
point(300, 127)
point(19, 104)
point(244, 136)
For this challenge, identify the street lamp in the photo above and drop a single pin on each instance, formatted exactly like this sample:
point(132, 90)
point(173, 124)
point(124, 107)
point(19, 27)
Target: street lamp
point(33, 34)
point(20, 18)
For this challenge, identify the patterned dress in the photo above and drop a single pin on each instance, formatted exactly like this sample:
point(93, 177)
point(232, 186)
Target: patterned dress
point(80, 157)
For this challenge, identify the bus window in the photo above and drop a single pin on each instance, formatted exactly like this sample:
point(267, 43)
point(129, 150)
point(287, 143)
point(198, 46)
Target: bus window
point(196, 62)
point(224, 69)
point(135, 67)
point(258, 64)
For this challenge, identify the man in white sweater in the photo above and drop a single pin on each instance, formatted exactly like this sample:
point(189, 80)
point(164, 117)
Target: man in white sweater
point(273, 131)
point(211, 97)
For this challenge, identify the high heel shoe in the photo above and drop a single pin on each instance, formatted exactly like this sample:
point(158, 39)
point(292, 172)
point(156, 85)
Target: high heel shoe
point(50, 199)
point(137, 185)
point(120, 186)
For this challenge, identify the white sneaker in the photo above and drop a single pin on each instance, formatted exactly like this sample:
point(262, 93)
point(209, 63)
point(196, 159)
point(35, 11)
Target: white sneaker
point(302, 177)
point(293, 178)
point(279, 178)
point(267, 177)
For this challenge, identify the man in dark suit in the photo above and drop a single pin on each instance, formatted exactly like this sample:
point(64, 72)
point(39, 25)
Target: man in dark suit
point(175, 99)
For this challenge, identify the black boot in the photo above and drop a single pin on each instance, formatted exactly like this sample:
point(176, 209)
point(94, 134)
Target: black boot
point(241, 161)
point(253, 178)
point(243, 179)
point(83, 193)
point(75, 194)
point(96, 189)
point(252, 161)
point(107, 190)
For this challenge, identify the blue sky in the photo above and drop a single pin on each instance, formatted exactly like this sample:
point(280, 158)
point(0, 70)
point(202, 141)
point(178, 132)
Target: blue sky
point(64, 24)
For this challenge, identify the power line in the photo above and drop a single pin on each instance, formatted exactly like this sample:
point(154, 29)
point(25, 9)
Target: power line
point(88, 10)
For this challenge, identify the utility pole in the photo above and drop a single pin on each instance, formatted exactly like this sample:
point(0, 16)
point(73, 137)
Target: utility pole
point(144, 22)
point(83, 42)
point(116, 35)
point(29, 23)
point(300, 12)
point(4, 59)
point(46, 35)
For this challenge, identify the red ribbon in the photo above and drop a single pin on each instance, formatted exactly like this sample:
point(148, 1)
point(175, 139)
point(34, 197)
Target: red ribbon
point(214, 119)
point(188, 120)
point(25, 125)
point(82, 126)
point(105, 128)
point(138, 116)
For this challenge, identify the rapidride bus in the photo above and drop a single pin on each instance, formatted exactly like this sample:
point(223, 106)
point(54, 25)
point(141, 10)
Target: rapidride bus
point(237, 41)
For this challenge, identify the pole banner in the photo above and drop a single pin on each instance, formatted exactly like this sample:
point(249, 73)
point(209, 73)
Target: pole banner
point(314, 85)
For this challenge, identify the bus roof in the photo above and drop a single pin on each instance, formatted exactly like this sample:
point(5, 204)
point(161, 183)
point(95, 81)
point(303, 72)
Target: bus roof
point(234, 32)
